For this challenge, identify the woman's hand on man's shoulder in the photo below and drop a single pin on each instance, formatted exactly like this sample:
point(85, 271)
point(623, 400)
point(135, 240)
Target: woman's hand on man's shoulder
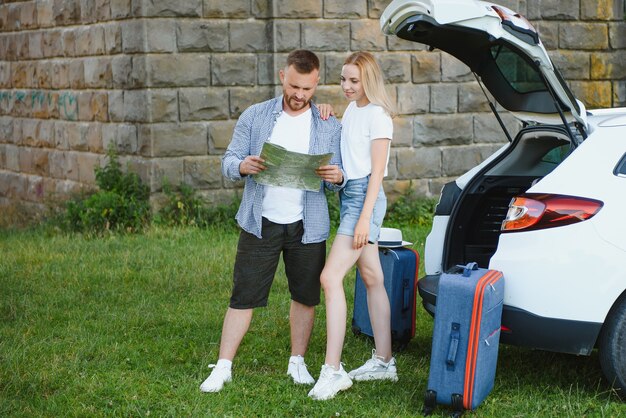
point(326, 110)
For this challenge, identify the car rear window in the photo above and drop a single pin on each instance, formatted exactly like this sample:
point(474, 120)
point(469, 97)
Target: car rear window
point(517, 72)
point(620, 169)
point(557, 155)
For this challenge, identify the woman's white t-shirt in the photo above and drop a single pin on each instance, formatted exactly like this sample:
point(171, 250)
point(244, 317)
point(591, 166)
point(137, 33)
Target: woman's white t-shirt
point(359, 126)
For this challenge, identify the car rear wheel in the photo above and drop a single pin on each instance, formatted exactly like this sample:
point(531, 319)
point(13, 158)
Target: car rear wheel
point(612, 347)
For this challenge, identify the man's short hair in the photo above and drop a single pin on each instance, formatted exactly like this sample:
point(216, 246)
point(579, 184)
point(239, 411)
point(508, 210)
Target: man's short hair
point(304, 61)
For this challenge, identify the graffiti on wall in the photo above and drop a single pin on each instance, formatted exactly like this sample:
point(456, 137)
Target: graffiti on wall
point(68, 106)
point(34, 103)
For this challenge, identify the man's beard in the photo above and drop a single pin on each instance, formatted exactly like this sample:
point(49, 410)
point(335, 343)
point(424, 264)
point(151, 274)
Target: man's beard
point(296, 105)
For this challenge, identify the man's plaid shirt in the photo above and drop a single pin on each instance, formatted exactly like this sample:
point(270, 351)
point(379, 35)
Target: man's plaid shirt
point(253, 129)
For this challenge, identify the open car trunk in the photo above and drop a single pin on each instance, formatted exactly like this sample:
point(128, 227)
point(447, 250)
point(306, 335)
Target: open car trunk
point(498, 45)
point(474, 225)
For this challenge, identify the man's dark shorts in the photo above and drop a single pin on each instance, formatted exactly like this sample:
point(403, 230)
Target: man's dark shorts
point(257, 259)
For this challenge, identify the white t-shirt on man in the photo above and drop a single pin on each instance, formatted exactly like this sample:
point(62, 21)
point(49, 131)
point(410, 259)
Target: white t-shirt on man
point(359, 126)
point(283, 205)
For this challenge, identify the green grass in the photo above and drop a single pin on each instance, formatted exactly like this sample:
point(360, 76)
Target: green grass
point(125, 325)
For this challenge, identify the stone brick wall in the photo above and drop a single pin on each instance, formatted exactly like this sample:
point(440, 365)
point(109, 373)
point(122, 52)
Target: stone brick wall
point(164, 81)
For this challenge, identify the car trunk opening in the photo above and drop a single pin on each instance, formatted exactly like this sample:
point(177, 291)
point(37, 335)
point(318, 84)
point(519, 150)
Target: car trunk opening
point(474, 226)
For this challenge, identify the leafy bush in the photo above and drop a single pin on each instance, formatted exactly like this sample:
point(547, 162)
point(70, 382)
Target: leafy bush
point(111, 178)
point(185, 208)
point(120, 204)
point(409, 209)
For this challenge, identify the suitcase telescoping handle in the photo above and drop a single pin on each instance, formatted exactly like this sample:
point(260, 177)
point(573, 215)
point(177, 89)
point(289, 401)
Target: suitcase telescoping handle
point(406, 300)
point(455, 336)
point(467, 268)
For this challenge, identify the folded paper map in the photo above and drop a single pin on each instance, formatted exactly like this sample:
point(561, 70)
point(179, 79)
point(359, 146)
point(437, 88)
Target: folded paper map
point(290, 169)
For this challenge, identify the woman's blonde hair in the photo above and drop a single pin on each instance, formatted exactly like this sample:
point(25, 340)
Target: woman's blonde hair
point(372, 79)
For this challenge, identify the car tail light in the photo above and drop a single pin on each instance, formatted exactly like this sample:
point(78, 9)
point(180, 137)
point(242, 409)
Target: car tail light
point(539, 211)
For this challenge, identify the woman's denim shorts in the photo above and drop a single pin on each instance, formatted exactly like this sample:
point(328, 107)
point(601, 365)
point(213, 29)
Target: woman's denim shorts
point(351, 199)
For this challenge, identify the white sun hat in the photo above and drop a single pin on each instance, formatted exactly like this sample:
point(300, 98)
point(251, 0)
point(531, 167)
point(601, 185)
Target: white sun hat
point(391, 238)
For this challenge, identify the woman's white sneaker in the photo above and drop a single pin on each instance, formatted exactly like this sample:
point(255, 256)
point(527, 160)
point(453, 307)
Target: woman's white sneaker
point(217, 378)
point(330, 383)
point(376, 369)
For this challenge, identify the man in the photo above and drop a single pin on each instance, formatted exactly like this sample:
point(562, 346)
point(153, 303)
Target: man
point(277, 220)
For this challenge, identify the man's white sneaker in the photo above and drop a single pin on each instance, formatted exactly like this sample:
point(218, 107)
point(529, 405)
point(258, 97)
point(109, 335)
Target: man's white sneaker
point(217, 378)
point(330, 382)
point(376, 369)
point(298, 371)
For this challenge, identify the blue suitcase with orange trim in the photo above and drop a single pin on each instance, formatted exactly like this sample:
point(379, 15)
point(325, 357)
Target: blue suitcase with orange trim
point(465, 338)
point(400, 270)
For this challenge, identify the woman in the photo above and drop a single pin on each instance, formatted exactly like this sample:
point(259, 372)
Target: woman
point(365, 139)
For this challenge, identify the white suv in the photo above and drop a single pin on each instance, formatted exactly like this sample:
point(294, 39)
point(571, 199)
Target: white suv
point(547, 209)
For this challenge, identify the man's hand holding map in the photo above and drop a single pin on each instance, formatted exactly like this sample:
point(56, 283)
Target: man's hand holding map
point(292, 169)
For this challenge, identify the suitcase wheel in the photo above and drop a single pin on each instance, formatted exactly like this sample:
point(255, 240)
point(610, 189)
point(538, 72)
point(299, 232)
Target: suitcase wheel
point(430, 401)
point(457, 405)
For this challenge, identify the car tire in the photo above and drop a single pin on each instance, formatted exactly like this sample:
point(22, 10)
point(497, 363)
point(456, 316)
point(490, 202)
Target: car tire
point(612, 347)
